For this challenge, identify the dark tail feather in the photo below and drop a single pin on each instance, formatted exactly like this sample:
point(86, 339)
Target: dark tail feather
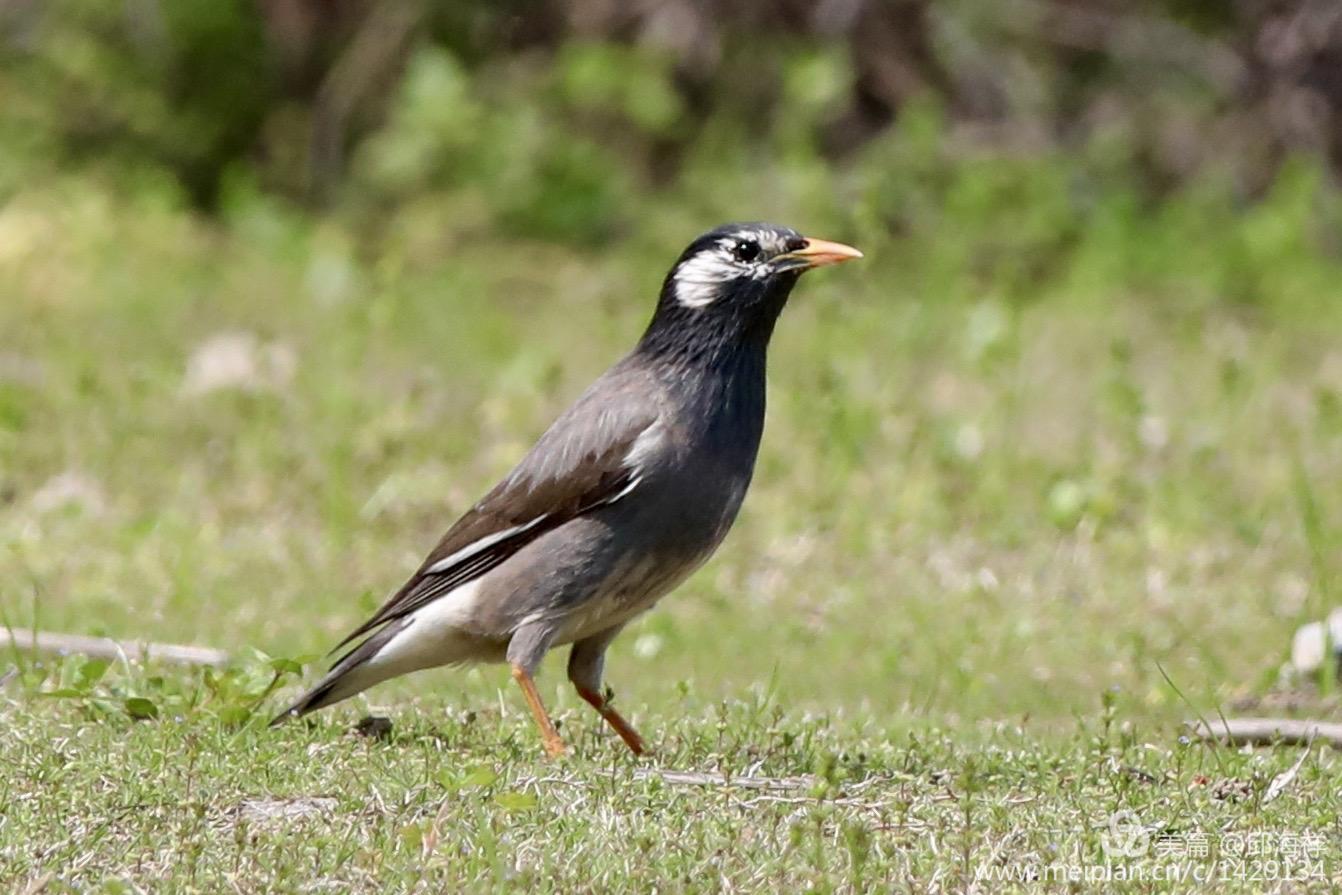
point(336, 685)
point(319, 697)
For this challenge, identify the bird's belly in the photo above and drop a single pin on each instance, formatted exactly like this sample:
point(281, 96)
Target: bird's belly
point(599, 571)
point(633, 587)
point(675, 539)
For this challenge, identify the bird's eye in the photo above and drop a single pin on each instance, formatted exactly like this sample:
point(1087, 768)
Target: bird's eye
point(747, 250)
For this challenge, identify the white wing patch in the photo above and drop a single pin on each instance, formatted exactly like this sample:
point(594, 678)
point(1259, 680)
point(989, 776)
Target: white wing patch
point(633, 483)
point(484, 543)
point(647, 442)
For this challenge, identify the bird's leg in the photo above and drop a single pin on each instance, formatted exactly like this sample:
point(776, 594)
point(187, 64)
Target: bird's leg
point(586, 663)
point(554, 746)
point(614, 719)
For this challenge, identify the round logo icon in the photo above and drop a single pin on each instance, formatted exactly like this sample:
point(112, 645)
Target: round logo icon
point(1126, 837)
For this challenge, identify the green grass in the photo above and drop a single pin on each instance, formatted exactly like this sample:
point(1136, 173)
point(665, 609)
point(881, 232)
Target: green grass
point(1024, 457)
point(459, 801)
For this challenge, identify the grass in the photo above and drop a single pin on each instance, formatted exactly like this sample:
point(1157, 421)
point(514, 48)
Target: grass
point(1011, 479)
point(458, 800)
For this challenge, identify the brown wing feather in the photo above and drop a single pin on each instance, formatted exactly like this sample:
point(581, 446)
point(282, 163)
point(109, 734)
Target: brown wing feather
point(573, 469)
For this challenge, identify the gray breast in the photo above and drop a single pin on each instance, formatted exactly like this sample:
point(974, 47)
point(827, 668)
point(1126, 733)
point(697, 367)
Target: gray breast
point(602, 569)
point(693, 467)
point(647, 548)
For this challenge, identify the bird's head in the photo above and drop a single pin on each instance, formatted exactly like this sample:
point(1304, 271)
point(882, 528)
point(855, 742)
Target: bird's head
point(731, 283)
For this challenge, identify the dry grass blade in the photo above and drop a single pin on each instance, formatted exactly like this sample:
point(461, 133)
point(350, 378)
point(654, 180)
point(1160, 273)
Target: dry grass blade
point(1287, 777)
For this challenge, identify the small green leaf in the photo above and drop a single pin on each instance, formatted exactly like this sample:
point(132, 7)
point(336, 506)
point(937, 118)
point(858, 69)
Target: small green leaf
point(1066, 503)
point(252, 683)
point(90, 672)
point(107, 707)
point(232, 715)
point(139, 708)
point(468, 778)
point(515, 801)
point(412, 836)
point(286, 666)
point(481, 776)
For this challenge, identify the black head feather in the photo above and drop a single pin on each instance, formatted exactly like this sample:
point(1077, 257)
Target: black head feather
point(724, 294)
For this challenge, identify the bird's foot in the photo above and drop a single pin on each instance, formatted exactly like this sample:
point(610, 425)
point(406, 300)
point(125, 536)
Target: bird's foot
point(554, 746)
point(615, 720)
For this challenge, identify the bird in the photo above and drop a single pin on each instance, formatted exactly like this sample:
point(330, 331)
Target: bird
point(626, 494)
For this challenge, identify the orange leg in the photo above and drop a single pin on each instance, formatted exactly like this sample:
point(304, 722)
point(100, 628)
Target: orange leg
point(614, 719)
point(554, 746)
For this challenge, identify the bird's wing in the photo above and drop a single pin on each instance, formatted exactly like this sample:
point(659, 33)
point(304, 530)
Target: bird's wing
point(588, 459)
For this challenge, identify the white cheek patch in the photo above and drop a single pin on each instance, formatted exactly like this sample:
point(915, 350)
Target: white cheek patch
point(699, 279)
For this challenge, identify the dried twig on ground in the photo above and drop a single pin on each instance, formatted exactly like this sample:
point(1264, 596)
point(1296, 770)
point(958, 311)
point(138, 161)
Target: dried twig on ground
point(1270, 731)
point(107, 648)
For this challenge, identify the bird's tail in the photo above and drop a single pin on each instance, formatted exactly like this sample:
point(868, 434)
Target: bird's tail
point(319, 697)
point(351, 675)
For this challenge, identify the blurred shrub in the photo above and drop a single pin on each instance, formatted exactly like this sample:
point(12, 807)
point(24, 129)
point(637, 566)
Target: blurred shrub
point(292, 89)
point(534, 173)
point(185, 85)
point(632, 86)
point(1011, 151)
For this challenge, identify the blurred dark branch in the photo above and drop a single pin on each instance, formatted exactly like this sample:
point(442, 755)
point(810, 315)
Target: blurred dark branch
point(363, 74)
point(894, 61)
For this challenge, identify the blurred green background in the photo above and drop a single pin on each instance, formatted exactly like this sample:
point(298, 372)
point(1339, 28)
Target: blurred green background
point(285, 285)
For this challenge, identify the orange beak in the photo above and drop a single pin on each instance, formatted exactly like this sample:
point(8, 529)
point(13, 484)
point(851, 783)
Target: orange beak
point(818, 253)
